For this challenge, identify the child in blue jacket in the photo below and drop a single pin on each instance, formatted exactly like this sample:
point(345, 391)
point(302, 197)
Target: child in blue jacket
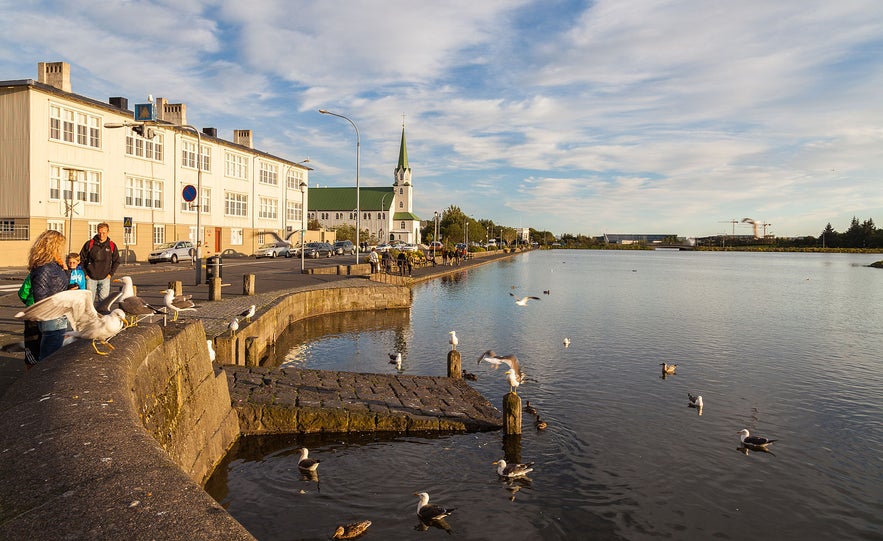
point(78, 276)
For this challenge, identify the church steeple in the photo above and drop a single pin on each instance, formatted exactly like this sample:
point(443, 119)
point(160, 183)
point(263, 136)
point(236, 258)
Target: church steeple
point(403, 152)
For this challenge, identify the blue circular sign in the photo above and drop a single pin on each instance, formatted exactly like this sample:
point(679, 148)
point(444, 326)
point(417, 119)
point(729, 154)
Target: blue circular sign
point(189, 193)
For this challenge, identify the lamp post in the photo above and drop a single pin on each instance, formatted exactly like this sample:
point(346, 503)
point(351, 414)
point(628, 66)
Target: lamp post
point(303, 225)
point(199, 236)
point(435, 237)
point(383, 210)
point(358, 151)
point(72, 176)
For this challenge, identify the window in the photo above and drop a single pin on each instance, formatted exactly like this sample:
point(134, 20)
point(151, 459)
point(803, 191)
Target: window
point(206, 203)
point(294, 211)
point(55, 225)
point(268, 208)
point(144, 193)
point(140, 147)
point(87, 185)
point(260, 238)
point(402, 226)
point(236, 236)
point(401, 191)
point(236, 166)
point(235, 204)
point(188, 155)
point(269, 173)
point(130, 235)
point(75, 127)
point(379, 215)
point(93, 229)
point(293, 178)
point(191, 234)
point(159, 234)
point(401, 204)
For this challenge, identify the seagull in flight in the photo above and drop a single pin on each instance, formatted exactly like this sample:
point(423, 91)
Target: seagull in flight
point(78, 307)
point(496, 360)
point(179, 303)
point(522, 301)
point(513, 470)
point(453, 340)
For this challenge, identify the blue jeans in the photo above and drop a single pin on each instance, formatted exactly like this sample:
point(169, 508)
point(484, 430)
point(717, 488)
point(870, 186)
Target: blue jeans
point(53, 336)
point(100, 288)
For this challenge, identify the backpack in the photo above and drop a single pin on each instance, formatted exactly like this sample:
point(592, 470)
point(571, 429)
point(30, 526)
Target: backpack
point(113, 246)
point(24, 292)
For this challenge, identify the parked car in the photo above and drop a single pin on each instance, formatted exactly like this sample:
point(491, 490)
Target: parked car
point(436, 244)
point(315, 250)
point(171, 251)
point(408, 247)
point(273, 249)
point(383, 247)
point(344, 247)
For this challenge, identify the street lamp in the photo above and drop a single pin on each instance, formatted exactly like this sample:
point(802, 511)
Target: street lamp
point(303, 225)
point(435, 237)
point(69, 207)
point(199, 239)
point(358, 150)
point(383, 210)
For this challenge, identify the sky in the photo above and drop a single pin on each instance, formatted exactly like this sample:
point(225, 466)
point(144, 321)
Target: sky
point(580, 117)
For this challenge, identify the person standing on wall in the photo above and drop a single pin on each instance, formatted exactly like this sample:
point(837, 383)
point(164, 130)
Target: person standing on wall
point(100, 259)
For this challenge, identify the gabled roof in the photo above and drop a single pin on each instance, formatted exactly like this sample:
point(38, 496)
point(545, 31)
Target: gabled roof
point(344, 199)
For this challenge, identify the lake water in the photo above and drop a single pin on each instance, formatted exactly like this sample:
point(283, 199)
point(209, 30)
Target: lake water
point(786, 345)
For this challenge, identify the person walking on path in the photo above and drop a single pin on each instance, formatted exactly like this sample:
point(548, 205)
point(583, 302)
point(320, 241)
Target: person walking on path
point(48, 277)
point(374, 260)
point(100, 259)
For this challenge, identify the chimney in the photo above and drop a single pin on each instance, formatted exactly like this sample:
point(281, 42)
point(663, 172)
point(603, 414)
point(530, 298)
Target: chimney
point(119, 103)
point(211, 132)
point(57, 74)
point(160, 104)
point(243, 137)
point(176, 113)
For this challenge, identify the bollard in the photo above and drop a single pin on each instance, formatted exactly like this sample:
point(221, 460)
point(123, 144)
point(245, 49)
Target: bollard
point(248, 284)
point(225, 349)
point(214, 289)
point(454, 370)
point(341, 270)
point(176, 286)
point(253, 347)
point(511, 414)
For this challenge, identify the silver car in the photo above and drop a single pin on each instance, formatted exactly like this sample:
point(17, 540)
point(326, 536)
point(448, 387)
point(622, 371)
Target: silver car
point(172, 252)
point(273, 249)
point(315, 250)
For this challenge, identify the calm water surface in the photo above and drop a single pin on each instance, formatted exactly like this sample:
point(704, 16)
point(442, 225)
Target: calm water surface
point(786, 345)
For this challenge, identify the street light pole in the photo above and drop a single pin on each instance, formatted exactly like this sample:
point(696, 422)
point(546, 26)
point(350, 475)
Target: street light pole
point(303, 225)
point(199, 239)
point(358, 152)
point(435, 237)
point(72, 176)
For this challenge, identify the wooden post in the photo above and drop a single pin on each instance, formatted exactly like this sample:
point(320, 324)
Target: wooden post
point(454, 370)
point(214, 289)
point(176, 286)
point(248, 284)
point(225, 349)
point(341, 270)
point(511, 414)
point(253, 347)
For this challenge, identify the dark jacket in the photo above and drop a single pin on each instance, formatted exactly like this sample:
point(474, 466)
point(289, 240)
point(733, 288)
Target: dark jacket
point(47, 280)
point(100, 259)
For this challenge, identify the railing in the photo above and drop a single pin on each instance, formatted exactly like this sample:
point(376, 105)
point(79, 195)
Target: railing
point(11, 231)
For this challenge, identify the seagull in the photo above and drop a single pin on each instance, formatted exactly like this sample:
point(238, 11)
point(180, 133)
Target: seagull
point(522, 301)
point(178, 303)
point(305, 463)
point(248, 313)
point(547, 292)
point(429, 513)
point(668, 368)
point(514, 380)
point(131, 304)
point(695, 401)
point(352, 530)
point(540, 424)
point(496, 360)
point(513, 470)
point(530, 409)
point(566, 342)
point(453, 340)
point(78, 307)
point(211, 350)
point(396, 359)
point(233, 326)
point(753, 441)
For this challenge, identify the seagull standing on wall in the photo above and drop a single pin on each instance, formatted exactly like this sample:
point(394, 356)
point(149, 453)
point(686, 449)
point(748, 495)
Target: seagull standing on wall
point(453, 340)
point(247, 313)
point(176, 304)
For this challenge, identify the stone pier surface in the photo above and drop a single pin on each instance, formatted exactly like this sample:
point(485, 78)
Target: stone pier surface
point(273, 401)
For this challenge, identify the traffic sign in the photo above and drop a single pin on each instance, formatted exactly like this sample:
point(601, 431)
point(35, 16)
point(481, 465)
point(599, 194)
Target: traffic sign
point(189, 193)
point(127, 222)
point(145, 112)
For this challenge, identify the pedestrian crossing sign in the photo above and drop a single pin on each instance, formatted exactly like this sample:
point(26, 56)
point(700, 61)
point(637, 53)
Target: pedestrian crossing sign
point(127, 222)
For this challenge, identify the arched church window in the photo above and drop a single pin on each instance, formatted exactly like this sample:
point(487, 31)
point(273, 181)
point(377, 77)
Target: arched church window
point(401, 204)
point(401, 191)
point(403, 225)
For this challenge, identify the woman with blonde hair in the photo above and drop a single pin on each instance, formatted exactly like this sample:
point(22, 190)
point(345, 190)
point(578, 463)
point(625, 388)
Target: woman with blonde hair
point(48, 277)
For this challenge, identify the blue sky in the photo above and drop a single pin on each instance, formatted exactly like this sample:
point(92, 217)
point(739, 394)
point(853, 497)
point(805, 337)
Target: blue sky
point(614, 116)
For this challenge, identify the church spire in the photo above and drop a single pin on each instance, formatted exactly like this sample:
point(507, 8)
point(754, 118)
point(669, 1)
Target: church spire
point(403, 152)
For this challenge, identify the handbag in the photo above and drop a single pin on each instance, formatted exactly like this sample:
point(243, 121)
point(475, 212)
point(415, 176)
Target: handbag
point(25, 293)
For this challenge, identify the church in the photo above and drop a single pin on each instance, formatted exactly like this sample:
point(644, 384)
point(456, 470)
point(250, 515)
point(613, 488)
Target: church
point(386, 213)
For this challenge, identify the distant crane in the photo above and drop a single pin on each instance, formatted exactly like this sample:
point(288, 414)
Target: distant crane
point(734, 222)
point(756, 225)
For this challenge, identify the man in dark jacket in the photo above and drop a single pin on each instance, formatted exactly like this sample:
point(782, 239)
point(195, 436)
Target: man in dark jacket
point(100, 259)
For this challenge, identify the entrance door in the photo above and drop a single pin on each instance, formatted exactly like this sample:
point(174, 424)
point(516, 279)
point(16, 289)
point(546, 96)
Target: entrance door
point(217, 240)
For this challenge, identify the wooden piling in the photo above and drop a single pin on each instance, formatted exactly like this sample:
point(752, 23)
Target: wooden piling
point(214, 289)
point(511, 414)
point(248, 284)
point(253, 350)
point(454, 369)
point(225, 349)
point(176, 286)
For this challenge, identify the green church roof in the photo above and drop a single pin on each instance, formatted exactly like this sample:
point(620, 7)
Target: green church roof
point(405, 216)
point(403, 153)
point(344, 199)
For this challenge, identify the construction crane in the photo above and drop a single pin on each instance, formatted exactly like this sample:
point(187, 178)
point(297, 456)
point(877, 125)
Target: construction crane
point(756, 225)
point(734, 222)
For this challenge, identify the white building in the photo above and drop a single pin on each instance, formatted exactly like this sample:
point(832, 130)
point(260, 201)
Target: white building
point(55, 150)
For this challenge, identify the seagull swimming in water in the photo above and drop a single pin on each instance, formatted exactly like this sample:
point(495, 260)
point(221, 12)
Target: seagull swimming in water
point(306, 463)
point(453, 340)
point(695, 401)
point(396, 359)
point(78, 307)
point(522, 301)
point(513, 470)
point(430, 512)
point(247, 313)
point(179, 303)
point(566, 342)
point(753, 441)
point(668, 368)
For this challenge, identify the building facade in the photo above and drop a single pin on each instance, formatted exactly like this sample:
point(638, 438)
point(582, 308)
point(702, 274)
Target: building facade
point(385, 213)
point(64, 166)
